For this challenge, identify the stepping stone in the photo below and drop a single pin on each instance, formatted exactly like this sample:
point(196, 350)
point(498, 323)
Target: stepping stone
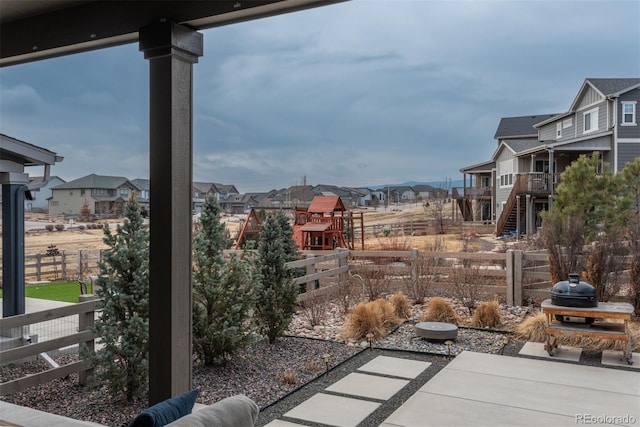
point(561, 353)
point(333, 410)
point(371, 386)
point(436, 331)
point(395, 367)
point(616, 358)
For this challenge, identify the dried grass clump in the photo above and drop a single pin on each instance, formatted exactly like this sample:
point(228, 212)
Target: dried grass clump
point(375, 317)
point(533, 328)
point(290, 377)
point(487, 315)
point(364, 318)
point(389, 318)
point(400, 305)
point(440, 310)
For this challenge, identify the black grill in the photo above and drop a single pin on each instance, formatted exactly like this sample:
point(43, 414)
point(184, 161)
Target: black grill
point(574, 293)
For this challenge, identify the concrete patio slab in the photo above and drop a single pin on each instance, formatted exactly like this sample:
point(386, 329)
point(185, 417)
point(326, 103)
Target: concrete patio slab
point(395, 367)
point(616, 358)
point(370, 386)
point(280, 423)
point(426, 409)
point(333, 410)
point(14, 415)
point(608, 380)
point(485, 389)
point(561, 353)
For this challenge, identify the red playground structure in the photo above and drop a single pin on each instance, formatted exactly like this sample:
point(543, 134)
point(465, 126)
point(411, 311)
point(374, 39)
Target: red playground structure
point(324, 225)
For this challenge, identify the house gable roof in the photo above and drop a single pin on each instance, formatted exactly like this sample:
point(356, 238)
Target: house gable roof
point(95, 181)
point(613, 87)
point(605, 87)
point(519, 127)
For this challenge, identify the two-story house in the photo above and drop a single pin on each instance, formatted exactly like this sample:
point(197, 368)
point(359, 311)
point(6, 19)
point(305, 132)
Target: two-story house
point(39, 192)
point(603, 117)
point(104, 195)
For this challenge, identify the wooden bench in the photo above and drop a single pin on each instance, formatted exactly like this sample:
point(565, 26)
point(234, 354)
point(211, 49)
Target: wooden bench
point(601, 328)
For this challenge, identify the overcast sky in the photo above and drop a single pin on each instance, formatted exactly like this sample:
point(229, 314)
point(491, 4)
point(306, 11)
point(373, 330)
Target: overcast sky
point(361, 93)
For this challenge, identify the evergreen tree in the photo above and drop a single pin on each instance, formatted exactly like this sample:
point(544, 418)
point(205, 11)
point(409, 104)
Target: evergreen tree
point(589, 191)
point(222, 292)
point(123, 327)
point(276, 294)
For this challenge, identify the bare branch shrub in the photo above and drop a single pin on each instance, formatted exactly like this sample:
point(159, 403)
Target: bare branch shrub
point(394, 240)
point(375, 281)
point(424, 273)
point(467, 285)
point(563, 239)
point(290, 377)
point(605, 262)
point(440, 310)
point(314, 308)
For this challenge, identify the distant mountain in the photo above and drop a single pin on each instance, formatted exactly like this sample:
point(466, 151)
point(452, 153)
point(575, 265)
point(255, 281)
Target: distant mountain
point(436, 184)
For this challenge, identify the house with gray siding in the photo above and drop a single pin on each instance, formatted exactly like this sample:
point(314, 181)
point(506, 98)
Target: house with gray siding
point(532, 153)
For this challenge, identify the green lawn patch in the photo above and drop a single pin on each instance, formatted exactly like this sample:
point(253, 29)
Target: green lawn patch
point(65, 292)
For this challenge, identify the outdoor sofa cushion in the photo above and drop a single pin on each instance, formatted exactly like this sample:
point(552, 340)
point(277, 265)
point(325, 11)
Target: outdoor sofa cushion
point(234, 411)
point(166, 411)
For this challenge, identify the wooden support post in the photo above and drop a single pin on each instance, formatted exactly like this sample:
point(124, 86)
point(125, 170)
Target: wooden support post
point(38, 266)
point(171, 49)
point(517, 277)
point(85, 322)
point(509, 277)
point(63, 265)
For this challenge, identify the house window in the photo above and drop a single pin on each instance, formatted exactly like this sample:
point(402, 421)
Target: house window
point(54, 203)
point(590, 120)
point(506, 173)
point(629, 113)
point(567, 123)
point(124, 192)
point(82, 192)
point(558, 130)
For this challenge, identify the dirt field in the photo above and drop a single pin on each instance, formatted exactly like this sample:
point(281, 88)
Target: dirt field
point(75, 239)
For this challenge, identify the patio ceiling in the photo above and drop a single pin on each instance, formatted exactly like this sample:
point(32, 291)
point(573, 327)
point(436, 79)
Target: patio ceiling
point(38, 29)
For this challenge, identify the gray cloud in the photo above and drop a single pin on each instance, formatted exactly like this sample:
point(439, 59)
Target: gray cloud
point(358, 93)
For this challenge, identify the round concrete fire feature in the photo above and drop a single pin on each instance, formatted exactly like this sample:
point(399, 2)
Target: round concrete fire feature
point(436, 331)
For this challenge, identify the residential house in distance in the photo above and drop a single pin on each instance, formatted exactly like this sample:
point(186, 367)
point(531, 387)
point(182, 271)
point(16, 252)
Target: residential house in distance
point(143, 194)
point(603, 118)
point(104, 195)
point(40, 191)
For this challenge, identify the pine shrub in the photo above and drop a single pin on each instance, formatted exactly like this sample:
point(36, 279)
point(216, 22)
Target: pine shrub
point(122, 361)
point(276, 293)
point(440, 310)
point(487, 315)
point(222, 292)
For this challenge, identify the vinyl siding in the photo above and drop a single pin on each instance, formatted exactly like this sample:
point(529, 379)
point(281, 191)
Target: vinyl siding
point(548, 131)
point(589, 98)
point(502, 193)
point(602, 119)
point(627, 153)
point(629, 131)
